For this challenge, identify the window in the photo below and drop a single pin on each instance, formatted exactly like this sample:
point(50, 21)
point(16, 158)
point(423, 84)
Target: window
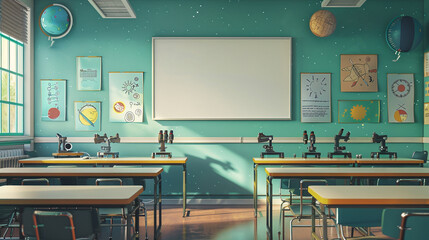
point(12, 86)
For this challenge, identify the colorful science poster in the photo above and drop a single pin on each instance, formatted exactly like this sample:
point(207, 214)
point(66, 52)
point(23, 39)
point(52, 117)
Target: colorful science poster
point(126, 96)
point(88, 75)
point(359, 73)
point(87, 116)
point(315, 97)
point(358, 111)
point(400, 97)
point(53, 92)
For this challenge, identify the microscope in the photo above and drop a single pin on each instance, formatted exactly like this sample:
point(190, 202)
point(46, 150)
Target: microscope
point(64, 149)
point(164, 138)
point(383, 148)
point(268, 148)
point(338, 150)
point(106, 150)
point(311, 148)
point(63, 145)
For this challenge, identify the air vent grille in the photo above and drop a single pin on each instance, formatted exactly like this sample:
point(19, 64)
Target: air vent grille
point(342, 3)
point(113, 8)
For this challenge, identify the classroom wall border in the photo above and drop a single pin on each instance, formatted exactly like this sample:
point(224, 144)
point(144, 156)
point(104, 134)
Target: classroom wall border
point(233, 140)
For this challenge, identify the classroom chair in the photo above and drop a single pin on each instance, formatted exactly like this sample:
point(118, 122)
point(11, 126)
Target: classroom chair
point(116, 212)
point(422, 155)
point(414, 225)
point(358, 218)
point(69, 224)
point(7, 220)
point(301, 208)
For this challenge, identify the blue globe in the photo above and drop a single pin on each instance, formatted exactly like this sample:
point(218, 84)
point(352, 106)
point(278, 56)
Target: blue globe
point(404, 33)
point(55, 21)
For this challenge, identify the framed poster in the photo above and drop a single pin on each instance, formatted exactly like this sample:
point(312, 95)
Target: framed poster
point(126, 96)
point(87, 116)
point(359, 73)
point(53, 102)
point(426, 113)
point(315, 97)
point(88, 73)
point(400, 97)
point(358, 111)
point(426, 64)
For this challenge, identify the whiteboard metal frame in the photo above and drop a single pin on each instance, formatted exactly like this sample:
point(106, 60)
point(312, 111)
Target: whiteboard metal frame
point(220, 119)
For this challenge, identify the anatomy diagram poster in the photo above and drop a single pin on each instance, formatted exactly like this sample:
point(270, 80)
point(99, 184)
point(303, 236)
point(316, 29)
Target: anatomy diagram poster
point(400, 94)
point(359, 73)
point(315, 97)
point(126, 96)
point(53, 102)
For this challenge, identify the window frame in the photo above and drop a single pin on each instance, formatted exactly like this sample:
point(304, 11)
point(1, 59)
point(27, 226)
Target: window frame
point(9, 102)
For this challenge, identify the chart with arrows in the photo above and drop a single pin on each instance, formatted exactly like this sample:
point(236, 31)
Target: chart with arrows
point(87, 116)
point(359, 73)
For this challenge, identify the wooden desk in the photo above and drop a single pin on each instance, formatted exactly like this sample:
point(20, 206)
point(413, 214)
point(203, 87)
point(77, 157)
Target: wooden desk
point(323, 162)
point(76, 196)
point(387, 161)
point(331, 172)
point(291, 161)
point(365, 196)
point(147, 173)
point(115, 161)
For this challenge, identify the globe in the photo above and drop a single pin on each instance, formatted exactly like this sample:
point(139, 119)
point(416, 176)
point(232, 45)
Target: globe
point(404, 33)
point(323, 23)
point(55, 20)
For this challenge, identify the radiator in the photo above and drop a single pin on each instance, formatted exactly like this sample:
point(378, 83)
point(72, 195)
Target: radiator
point(9, 157)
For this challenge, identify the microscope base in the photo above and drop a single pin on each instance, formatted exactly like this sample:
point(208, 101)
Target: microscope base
point(344, 154)
point(280, 154)
point(315, 154)
point(108, 154)
point(162, 154)
point(67, 154)
point(378, 154)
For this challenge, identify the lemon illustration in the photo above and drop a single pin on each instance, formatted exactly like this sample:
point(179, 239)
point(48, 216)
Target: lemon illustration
point(88, 115)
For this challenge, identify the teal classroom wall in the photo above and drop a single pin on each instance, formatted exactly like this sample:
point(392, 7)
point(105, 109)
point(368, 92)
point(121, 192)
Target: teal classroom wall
point(226, 169)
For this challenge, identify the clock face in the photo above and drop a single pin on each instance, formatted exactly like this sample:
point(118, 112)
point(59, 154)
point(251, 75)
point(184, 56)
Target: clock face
point(316, 86)
point(401, 88)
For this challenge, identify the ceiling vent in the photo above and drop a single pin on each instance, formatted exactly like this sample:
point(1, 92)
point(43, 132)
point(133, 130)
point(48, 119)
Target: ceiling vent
point(342, 3)
point(113, 8)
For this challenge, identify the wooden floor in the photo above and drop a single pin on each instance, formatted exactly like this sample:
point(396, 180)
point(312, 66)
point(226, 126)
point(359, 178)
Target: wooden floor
point(220, 223)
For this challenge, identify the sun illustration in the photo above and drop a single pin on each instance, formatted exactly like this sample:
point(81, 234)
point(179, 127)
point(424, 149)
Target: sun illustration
point(358, 112)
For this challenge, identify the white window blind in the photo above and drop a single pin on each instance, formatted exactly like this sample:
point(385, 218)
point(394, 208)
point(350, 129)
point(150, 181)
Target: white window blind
point(14, 19)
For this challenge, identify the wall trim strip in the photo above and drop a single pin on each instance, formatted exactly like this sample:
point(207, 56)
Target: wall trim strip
point(217, 140)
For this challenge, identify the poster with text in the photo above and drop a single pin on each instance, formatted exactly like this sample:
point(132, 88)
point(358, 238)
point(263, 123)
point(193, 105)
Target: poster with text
point(400, 97)
point(315, 97)
point(358, 111)
point(53, 103)
point(88, 75)
point(126, 96)
point(87, 116)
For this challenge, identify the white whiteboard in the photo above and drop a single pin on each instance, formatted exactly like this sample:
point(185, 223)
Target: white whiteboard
point(221, 78)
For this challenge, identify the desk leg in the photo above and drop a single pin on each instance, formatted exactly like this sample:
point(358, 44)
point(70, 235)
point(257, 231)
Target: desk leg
point(129, 214)
point(137, 216)
point(255, 188)
point(155, 204)
point(324, 221)
point(184, 190)
point(269, 208)
point(160, 203)
point(313, 218)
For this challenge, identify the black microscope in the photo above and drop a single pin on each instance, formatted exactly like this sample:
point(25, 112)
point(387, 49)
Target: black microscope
point(106, 150)
point(338, 150)
point(383, 148)
point(268, 148)
point(164, 138)
point(311, 148)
